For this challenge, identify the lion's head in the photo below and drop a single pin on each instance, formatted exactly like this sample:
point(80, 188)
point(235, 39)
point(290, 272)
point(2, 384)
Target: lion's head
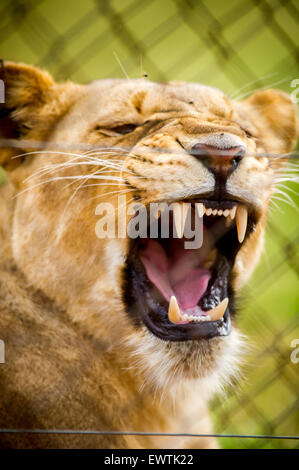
point(153, 143)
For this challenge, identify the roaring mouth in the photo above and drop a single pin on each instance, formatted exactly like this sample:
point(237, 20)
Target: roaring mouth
point(183, 294)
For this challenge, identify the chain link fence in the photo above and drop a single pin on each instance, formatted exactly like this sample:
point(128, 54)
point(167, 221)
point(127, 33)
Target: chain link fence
point(237, 46)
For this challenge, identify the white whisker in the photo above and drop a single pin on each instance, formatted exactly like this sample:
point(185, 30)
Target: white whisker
point(276, 206)
point(121, 65)
point(289, 203)
point(263, 88)
point(231, 95)
point(121, 191)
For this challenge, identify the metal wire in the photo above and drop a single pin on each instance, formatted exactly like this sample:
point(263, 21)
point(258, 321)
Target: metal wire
point(139, 433)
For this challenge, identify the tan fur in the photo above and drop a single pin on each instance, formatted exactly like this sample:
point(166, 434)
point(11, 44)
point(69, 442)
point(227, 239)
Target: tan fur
point(74, 359)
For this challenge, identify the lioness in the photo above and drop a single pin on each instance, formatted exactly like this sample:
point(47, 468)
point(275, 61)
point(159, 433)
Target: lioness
point(121, 333)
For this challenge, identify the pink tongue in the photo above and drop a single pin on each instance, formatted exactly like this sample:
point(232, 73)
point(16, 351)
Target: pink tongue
point(180, 276)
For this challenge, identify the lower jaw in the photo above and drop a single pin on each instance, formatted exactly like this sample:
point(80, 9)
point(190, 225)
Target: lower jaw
point(145, 305)
point(163, 329)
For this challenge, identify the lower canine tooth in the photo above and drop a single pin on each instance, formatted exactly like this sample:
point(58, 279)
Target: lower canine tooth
point(241, 222)
point(218, 312)
point(174, 313)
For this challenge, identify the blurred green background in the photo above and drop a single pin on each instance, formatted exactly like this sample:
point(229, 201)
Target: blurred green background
point(237, 46)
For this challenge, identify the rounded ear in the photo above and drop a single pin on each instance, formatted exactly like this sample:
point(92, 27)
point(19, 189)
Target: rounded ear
point(27, 91)
point(274, 114)
point(32, 103)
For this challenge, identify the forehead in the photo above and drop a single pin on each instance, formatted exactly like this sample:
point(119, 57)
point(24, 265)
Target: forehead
point(122, 98)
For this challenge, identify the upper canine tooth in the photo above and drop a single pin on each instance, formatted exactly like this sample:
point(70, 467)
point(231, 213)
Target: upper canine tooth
point(218, 312)
point(174, 313)
point(180, 213)
point(241, 221)
point(200, 209)
point(233, 212)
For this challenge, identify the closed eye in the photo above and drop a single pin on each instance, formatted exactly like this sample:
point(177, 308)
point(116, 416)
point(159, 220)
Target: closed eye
point(248, 133)
point(117, 130)
point(124, 129)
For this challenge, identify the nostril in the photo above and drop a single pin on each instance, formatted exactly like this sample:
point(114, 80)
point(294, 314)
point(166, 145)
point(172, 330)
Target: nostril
point(238, 157)
point(235, 161)
point(220, 161)
point(218, 152)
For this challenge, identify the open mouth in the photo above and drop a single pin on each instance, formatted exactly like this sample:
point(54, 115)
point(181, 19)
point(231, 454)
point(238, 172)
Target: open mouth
point(185, 294)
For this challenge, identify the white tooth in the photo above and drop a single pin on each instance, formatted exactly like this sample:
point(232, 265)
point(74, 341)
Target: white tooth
point(226, 212)
point(200, 209)
point(208, 211)
point(233, 212)
point(214, 212)
point(174, 313)
point(220, 212)
point(185, 317)
point(241, 222)
point(180, 213)
point(218, 312)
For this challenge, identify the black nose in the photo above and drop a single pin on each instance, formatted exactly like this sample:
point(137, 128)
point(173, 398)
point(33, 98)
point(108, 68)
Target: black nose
point(221, 162)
